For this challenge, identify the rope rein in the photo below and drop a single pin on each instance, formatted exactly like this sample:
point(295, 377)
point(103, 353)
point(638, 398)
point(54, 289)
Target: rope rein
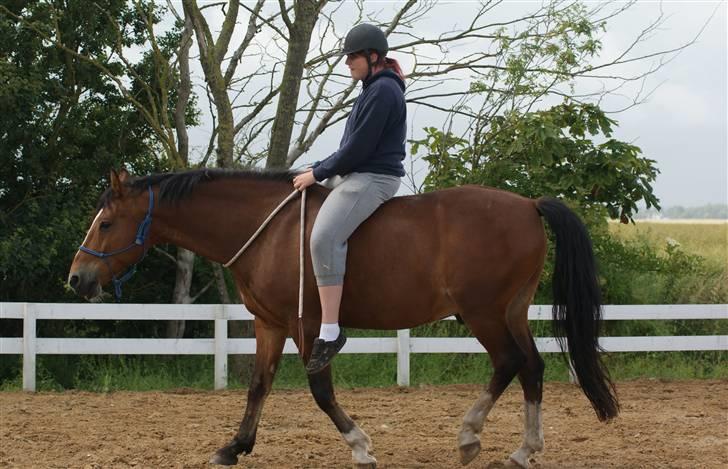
point(301, 243)
point(300, 254)
point(261, 228)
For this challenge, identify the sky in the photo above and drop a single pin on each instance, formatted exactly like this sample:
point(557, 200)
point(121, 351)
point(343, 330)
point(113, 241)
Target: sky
point(683, 124)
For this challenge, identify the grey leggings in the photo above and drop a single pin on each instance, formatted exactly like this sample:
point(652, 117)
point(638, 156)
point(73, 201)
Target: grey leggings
point(353, 199)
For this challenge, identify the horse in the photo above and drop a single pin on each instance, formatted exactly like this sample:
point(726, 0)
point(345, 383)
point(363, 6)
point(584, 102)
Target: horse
point(473, 251)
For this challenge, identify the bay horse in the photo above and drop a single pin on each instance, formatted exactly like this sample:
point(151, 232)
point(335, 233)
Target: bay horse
point(473, 251)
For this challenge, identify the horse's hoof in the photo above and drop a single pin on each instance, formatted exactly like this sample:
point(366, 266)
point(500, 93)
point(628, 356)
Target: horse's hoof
point(369, 465)
point(518, 460)
point(224, 458)
point(469, 452)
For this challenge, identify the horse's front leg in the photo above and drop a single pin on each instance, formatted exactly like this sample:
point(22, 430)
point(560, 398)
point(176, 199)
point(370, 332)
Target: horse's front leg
point(359, 442)
point(269, 347)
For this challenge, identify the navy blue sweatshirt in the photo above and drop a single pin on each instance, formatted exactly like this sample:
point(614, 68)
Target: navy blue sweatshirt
point(375, 133)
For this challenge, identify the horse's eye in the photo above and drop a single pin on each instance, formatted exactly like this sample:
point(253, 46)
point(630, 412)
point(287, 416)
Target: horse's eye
point(105, 225)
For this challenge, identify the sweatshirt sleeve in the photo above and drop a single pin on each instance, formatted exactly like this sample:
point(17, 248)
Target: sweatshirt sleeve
point(363, 139)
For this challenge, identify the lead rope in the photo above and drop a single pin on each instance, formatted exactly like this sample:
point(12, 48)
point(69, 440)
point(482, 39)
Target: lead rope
point(300, 255)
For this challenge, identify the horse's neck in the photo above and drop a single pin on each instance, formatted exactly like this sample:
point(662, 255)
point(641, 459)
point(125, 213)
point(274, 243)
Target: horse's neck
point(218, 217)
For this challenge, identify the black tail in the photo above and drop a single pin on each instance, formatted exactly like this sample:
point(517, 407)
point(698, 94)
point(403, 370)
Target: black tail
point(577, 309)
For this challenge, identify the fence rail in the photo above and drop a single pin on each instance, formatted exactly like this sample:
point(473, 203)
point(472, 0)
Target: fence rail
point(221, 346)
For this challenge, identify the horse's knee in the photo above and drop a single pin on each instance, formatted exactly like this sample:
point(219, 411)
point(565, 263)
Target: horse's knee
point(258, 389)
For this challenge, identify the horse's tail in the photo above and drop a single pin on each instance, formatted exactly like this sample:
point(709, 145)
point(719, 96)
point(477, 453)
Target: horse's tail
point(577, 313)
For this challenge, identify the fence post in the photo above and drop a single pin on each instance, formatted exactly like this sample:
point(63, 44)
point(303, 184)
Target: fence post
point(221, 358)
point(29, 348)
point(403, 357)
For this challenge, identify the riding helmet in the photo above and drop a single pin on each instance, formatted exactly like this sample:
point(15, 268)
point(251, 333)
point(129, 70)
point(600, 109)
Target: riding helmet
point(365, 36)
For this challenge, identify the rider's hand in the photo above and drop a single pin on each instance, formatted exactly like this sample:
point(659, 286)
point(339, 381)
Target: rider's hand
point(304, 180)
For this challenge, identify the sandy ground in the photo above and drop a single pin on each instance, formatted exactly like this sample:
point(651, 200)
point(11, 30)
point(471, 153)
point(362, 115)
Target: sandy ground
point(663, 424)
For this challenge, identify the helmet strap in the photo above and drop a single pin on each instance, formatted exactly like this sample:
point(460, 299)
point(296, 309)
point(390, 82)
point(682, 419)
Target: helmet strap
point(368, 53)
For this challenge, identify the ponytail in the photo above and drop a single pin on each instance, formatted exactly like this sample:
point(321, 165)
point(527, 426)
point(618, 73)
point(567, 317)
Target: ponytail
point(387, 63)
point(393, 65)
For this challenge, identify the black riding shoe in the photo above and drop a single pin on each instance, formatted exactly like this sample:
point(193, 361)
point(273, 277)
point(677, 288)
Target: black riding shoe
point(323, 352)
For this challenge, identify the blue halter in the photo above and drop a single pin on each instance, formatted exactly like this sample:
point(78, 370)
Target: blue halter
point(140, 240)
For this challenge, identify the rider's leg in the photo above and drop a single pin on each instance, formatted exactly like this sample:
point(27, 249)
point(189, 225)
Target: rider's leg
point(351, 202)
point(330, 302)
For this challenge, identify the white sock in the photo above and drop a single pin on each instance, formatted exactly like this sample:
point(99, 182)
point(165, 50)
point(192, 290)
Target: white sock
point(329, 332)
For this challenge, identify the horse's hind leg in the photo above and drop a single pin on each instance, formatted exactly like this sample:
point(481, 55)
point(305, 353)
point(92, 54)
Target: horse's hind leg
point(269, 343)
point(359, 442)
point(530, 376)
point(507, 359)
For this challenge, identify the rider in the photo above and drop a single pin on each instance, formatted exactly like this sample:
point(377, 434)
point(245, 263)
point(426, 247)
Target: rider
point(364, 173)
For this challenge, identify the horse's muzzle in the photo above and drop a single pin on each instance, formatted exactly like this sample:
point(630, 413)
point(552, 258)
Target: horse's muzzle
point(84, 284)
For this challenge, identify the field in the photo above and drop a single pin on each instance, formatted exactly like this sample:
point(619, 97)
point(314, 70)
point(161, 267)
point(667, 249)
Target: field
point(708, 238)
point(667, 262)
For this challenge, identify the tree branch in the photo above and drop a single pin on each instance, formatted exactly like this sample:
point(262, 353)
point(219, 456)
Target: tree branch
point(249, 34)
point(284, 15)
point(228, 26)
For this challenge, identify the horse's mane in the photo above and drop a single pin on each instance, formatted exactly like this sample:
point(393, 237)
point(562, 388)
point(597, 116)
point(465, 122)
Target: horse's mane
point(175, 186)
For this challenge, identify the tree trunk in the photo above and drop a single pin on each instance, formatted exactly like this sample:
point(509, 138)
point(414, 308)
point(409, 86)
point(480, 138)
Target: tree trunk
point(225, 125)
point(182, 286)
point(211, 56)
point(300, 38)
point(185, 264)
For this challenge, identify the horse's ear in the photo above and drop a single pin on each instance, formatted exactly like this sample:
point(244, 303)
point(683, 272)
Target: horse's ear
point(117, 181)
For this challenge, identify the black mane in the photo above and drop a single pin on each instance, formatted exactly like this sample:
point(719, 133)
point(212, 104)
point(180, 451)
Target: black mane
point(173, 187)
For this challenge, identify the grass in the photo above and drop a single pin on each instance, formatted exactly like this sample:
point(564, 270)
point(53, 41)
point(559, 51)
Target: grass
point(707, 240)
point(134, 373)
point(694, 258)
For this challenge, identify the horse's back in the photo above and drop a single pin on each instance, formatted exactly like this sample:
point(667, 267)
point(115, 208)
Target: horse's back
point(482, 214)
point(419, 251)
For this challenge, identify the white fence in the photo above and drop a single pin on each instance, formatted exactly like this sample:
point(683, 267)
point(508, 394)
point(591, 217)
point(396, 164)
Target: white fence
point(220, 345)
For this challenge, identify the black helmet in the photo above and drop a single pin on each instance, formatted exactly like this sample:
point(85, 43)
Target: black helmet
point(365, 37)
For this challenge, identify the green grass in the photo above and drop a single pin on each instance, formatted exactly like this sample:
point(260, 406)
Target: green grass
point(694, 259)
point(707, 240)
point(135, 373)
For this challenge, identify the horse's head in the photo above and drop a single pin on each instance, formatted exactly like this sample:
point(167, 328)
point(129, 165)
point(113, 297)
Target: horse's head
point(117, 238)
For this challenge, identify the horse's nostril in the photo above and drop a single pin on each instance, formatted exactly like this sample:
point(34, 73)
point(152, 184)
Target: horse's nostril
point(73, 281)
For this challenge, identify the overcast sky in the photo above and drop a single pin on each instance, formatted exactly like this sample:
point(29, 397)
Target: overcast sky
point(683, 125)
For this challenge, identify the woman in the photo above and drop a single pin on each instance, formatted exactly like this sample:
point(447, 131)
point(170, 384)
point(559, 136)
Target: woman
point(364, 173)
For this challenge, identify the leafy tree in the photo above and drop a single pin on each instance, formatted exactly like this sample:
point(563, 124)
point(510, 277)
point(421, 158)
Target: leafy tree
point(61, 122)
point(552, 152)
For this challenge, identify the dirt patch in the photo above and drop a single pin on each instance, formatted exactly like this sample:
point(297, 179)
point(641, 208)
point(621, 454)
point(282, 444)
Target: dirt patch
point(663, 424)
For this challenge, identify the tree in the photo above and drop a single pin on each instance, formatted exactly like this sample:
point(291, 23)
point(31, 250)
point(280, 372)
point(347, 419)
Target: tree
point(550, 152)
point(299, 30)
point(157, 87)
point(61, 121)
